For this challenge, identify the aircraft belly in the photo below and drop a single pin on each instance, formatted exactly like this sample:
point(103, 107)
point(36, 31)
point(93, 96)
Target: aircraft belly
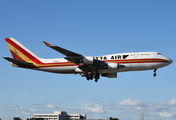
point(145, 66)
point(66, 69)
point(136, 67)
point(107, 71)
point(127, 67)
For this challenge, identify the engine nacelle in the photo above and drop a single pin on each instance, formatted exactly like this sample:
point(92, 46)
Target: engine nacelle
point(109, 75)
point(88, 60)
point(110, 66)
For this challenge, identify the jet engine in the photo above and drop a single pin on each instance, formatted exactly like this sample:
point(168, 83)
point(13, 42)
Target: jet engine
point(110, 66)
point(109, 75)
point(88, 60)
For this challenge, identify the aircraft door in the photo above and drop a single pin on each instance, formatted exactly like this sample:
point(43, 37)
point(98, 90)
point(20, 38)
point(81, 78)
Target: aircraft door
point(136, 55)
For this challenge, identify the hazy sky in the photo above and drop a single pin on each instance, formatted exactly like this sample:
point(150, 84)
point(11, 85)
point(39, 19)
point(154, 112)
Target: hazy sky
point(92, 28)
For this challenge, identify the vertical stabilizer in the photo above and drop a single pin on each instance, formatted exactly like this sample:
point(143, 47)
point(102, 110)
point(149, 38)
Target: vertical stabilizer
point(20, 52)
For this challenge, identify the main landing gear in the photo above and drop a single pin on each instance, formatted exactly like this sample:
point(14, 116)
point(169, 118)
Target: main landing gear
point(91, 76)
point(154, 74)
point(97, 76)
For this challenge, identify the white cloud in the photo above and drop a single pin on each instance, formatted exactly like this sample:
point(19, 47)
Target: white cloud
point(94, 99)
point(20, 110)
point(159, 110)
point(10, 107)
point(129, 107)
point(94, 109)
point(13, 106)
point(139, 105)
point(165, 114)
point(26, 111)
point(50, 106)
point(172, 102)
point(128, 102)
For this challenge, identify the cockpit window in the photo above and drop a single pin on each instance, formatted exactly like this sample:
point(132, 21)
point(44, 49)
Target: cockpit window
point(158, 53)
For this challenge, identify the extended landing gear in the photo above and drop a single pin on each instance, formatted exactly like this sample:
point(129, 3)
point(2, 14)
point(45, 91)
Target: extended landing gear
point(91, 76)
point(97, 76)
point(154, 74)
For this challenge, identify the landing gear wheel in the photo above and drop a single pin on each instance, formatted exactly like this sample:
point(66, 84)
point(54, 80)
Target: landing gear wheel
point(97, 76)
point(154, 74)
point(91, 76)
point(88, 77)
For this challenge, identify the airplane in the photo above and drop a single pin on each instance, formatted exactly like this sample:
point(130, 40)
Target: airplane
point(87, 66)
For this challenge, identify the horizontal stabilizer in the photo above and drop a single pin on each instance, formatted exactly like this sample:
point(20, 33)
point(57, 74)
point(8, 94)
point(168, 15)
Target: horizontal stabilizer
point(18, 62)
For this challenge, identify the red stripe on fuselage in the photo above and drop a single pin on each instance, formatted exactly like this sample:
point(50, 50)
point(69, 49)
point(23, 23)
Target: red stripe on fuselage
point(50, 64)
point(126, 61)
point(59, 64)
point(113, 61)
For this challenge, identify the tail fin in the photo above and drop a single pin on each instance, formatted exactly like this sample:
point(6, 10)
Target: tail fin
point(20, 52)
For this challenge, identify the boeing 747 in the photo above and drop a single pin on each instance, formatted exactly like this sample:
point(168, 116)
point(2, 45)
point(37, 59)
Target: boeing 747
point(86, 66)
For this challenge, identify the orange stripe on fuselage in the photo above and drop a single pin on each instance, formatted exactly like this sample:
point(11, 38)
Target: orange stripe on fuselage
point(114, 61)
point(126, 61)
point(51, 64)
point(59, 64)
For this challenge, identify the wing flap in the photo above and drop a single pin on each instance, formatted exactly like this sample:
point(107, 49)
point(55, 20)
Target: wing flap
point(78, 58)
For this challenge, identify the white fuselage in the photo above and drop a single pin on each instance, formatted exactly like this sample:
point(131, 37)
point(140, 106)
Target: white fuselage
point(131, 62)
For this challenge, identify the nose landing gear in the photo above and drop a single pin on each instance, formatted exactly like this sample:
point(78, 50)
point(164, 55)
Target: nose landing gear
point(154, 74)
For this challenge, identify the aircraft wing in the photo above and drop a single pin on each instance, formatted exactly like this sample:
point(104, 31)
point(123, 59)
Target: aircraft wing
point(62, 50)
point(78, 58)
point(71, 56)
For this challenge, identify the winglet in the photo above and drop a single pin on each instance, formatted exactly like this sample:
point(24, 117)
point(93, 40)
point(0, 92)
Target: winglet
point(47, 44)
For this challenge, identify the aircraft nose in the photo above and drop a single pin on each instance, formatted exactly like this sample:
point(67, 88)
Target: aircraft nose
point(170, 60)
